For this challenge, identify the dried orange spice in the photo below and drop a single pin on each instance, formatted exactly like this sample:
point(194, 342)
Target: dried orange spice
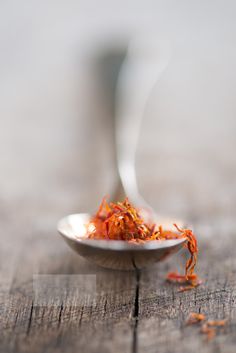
point(122, 221)
point(195, 318)
point(208, 327)
point(217, 323)
point(210, 332)
point(189, 281)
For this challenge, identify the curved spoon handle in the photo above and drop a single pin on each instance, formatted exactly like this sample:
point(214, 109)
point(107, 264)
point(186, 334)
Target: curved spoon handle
point(145, 62)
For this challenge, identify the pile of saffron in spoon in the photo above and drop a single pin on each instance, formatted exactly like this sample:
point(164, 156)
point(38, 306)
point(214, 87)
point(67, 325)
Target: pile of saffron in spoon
point(122, 221)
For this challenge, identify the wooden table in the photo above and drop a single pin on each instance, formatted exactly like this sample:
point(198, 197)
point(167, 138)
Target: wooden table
point(56, 161)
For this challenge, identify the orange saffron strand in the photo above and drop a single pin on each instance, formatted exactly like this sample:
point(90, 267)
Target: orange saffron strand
point(208, 327)
point(190, 282)
point(195, 318)
point(122, 221)
point(209, 331)
point(217, 323)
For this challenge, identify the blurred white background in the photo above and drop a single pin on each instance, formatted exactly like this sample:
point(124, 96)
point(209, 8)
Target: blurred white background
point(186, 159)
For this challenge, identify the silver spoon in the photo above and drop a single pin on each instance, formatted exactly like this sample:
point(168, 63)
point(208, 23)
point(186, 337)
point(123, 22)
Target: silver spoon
point(140, 71)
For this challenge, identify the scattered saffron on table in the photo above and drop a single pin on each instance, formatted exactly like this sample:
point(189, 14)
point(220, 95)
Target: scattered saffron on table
point(210, 332)
point(217, 323)
point(208, 327)
point(195, 318)
point(189, 281)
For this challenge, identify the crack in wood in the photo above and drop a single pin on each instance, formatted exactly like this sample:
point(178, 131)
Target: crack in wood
point(60, 315)
point(17, 314)
point(105, 308)
point(30, 319)
point(135, 315)
point(81, 315)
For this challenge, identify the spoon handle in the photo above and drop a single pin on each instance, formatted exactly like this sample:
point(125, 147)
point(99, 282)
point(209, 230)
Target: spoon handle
point(129, 77)
point(144, 63)
point(109, 68)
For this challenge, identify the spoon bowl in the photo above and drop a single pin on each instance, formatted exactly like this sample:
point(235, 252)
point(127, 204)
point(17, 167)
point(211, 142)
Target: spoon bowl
point(114, 254)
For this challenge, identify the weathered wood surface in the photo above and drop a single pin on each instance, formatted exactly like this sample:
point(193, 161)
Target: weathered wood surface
point(128, 313)
point(55, 161)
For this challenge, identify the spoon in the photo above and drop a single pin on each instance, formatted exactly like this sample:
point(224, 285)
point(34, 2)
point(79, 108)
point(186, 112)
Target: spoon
point(140, 70)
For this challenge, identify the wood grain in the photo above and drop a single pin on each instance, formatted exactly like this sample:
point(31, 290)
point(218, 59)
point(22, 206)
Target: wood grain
point(130, 312)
